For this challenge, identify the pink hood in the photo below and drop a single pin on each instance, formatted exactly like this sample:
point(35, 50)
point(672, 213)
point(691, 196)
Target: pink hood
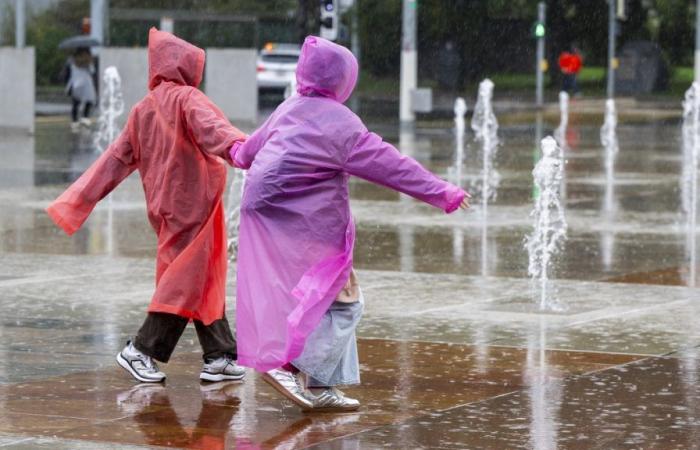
point(172, 59)
point(326, 69)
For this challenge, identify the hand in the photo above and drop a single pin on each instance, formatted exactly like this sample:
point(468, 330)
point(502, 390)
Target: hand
point(465, 201)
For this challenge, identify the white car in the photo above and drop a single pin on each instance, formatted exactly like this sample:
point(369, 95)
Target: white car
point(276, 65)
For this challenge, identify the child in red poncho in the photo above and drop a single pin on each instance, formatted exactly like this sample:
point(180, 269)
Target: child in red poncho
point(178, 140)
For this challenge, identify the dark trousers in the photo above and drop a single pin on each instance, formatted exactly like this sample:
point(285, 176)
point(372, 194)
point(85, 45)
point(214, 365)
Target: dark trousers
point(160, 332)
point(569, 84)
point(75, 110)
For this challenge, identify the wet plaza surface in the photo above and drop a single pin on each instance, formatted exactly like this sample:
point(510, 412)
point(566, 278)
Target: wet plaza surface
point(454, 352)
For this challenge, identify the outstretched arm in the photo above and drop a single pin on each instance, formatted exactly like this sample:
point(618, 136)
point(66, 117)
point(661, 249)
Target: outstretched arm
point(243, 153)
point(208, 126)
point(380, 162)
point(72, 208)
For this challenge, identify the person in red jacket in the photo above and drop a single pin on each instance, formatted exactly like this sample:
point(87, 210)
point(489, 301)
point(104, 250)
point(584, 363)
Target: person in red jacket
point(179, 142)
point(570, 64)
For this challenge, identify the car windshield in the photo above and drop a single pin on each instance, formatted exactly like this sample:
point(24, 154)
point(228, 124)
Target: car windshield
point(289, 59)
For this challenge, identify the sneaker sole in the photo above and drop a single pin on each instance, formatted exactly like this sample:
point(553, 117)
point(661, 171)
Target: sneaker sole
point(204, 376)
point(124, 364)
point(334, 410)
point(279, 388)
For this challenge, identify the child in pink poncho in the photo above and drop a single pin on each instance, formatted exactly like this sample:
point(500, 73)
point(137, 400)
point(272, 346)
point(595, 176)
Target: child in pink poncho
point(298, 302)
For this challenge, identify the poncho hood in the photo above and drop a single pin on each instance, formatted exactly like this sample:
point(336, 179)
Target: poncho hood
point(326, 69)
point(173, 59)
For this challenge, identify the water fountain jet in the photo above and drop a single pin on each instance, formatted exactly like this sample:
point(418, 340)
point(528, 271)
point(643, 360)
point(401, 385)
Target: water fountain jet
point(550, 224)
point(689, 179)
point(235, 196)
point(456, 173)
point(560, 132)
point(485, 128)
point(608, 138)
point(111, 108)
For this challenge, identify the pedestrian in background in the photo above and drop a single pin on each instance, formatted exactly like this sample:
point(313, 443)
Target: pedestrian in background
point(570, 64)
point(79, 73)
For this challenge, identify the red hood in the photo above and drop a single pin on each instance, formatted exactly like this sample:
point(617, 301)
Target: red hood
point(173, 59)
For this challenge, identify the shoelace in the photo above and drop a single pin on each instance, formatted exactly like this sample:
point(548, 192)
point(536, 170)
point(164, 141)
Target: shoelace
point(297, 382)
point(148, 362)
point(227, 358)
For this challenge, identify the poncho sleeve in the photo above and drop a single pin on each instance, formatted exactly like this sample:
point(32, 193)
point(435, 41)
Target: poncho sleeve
point(380, 162)
point(72, 208)
point(208, 126)
point(243, 155)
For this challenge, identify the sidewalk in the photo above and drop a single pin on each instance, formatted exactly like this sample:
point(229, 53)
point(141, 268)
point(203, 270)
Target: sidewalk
point(52, 109)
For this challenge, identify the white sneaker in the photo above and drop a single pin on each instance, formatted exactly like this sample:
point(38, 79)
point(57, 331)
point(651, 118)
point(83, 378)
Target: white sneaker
point(74, 127)
point(288, 384)
point(85, 122)
point(140, 366)
point(333, 400)
point(221, 369)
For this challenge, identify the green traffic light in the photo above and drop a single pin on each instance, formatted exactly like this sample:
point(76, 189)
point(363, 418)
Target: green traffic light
point(539, 30)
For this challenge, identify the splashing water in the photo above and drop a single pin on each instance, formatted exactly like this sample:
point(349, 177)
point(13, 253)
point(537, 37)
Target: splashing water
point(485, 128)
point(235, 196)
point(550, 225)
point(608, 138)
point(689, 179)
point(560, 135)
point(456, 171)
point(111, 107)
point(560, 132)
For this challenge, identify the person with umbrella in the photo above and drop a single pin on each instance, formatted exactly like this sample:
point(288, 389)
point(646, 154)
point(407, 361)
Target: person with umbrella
point(78, 73)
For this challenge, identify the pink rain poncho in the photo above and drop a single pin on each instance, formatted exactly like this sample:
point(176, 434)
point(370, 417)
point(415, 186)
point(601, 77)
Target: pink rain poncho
point(296, 230)
point(177, 139)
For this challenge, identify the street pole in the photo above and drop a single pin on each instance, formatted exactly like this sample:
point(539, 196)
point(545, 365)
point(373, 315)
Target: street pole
point(611, 48)
point(355, 33)
point(409, 62)
point(97, 19)
point(539, 92)
point(20, 24)
point(697, 41)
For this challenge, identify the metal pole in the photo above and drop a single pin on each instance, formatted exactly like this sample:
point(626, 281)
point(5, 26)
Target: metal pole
point(611, 49)
point(355, 48)
point(355, 36)
point(539, 93)
point(697, 41)
point(105, 24)
point(97, 17)
point(20, 24)
point(409, 62)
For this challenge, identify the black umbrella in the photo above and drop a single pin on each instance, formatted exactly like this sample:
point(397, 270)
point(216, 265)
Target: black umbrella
point(82, 40)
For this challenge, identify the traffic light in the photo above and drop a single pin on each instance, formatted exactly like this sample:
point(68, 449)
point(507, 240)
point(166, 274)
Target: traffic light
point(538, 30)
point(329, 19)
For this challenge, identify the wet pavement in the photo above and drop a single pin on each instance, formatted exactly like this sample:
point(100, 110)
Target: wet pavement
point(454, 352)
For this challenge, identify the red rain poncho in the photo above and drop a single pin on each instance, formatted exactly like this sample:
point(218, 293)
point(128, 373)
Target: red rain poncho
point(176, 138)
point(296, 230)
point(570, 63)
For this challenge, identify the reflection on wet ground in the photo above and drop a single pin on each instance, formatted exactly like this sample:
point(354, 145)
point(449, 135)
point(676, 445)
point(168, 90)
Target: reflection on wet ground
point(454, 352)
